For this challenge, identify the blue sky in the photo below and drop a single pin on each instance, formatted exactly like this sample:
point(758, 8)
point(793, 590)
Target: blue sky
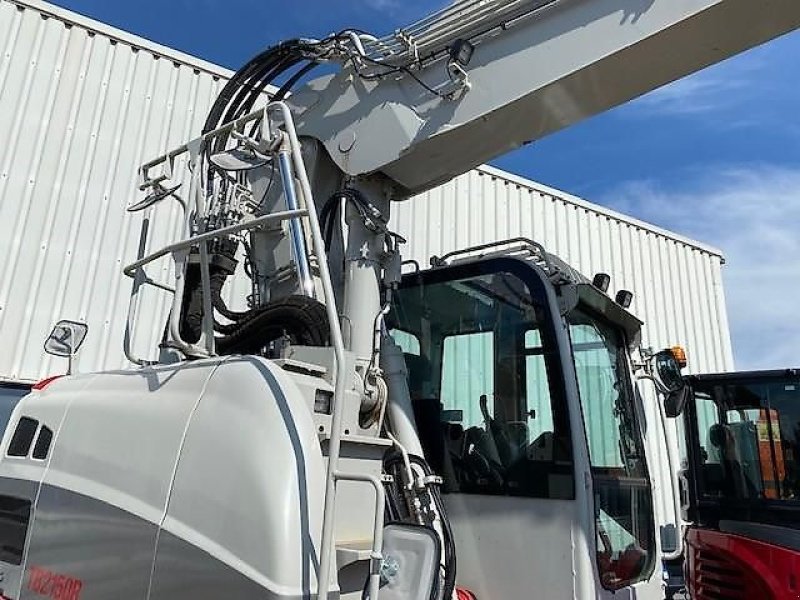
point(715, 156)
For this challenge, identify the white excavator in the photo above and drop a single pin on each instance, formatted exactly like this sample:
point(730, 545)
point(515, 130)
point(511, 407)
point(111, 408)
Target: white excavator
point(353, 427)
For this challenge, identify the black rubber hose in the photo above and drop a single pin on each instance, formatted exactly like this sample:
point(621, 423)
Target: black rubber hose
point(246, 72)
point(217, 281)
point(280, 94)
point(302, 319)
point(191, 323)
point(394, 460)
point(447, 531)
point(327, 217)
point(450, 561)
point(284, 89)
point(246, 95)
point(392, 507)
point(291, 52)
point(252, 88)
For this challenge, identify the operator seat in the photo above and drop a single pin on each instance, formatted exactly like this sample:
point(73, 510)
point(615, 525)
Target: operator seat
point(736, 484)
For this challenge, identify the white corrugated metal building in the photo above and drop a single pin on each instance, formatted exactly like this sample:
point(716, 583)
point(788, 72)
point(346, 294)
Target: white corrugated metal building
point(83, 104)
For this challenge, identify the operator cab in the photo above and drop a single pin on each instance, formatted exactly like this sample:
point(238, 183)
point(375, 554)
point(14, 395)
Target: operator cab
point(741, 485)
point(743, 447)
point(518, 370)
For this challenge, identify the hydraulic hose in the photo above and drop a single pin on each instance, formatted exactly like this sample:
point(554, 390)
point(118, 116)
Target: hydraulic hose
point(395, 461)
point(303, 320)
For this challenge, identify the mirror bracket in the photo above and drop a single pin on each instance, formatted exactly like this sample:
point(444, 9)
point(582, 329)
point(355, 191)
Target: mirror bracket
point(65, 339)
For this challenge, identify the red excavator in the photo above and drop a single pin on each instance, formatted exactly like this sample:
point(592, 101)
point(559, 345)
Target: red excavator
point(741, 484)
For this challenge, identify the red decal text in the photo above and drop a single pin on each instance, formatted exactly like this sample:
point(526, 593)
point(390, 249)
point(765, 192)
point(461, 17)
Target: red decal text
point(54, 585)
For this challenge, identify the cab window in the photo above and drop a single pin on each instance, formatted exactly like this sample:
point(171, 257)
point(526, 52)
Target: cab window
point(483, 385)
point(623, 501)
point(748, 440)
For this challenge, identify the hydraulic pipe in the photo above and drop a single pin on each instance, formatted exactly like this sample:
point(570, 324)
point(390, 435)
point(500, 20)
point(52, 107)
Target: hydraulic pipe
point(399, 409)
point(295, 226)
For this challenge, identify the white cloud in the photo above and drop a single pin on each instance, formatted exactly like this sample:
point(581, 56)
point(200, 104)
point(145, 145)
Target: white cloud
point(383, 5)
point(753, 214)
point(720, 88)
point(693, 95)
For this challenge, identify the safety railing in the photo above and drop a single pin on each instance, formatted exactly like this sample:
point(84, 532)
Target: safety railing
point(278, 138)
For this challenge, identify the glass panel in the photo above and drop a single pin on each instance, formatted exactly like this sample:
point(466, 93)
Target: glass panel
point(468, 373)
point(407, 341)
point(713, 473)
point(10, 395)
point(739, 447)
point(623, 501)
point(784, 400)
point(481, 387)
point(624, 517)
point(752, 451)
point(533, 339)
point(539, 410)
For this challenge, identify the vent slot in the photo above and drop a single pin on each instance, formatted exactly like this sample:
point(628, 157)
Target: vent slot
point(717, 578)
point(42, 447)
point(21, 442)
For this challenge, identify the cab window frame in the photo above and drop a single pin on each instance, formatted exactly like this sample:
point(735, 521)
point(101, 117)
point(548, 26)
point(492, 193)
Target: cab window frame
point(708, 508)
point(616, 475)
point(547, 321)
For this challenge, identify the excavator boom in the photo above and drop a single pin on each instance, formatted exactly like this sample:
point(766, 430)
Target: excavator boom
point(482, 78)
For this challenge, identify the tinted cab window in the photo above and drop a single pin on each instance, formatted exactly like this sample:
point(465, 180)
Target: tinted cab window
point(483, 374)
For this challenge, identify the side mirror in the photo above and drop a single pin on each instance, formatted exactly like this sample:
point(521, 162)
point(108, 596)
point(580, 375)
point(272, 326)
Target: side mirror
point(65, 339)
point(668, 369)
point(668, 365)
point(675, 401)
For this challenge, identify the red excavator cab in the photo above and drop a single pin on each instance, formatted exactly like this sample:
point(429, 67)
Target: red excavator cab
point(741, 486)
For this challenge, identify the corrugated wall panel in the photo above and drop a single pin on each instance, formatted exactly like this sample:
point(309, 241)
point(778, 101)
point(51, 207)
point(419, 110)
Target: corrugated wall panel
point(81, 107)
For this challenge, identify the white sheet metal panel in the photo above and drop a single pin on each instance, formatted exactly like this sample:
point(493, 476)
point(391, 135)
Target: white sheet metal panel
point(81, 106)
point(677, 282)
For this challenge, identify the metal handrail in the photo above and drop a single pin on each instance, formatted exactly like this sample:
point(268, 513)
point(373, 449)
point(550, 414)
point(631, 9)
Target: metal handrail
point(527, 243)
point(136, 271)
point(376, 556)
point(337, 412)
point(307, 210)
point(210, 235)
point(167, 157)
point(141, 278)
